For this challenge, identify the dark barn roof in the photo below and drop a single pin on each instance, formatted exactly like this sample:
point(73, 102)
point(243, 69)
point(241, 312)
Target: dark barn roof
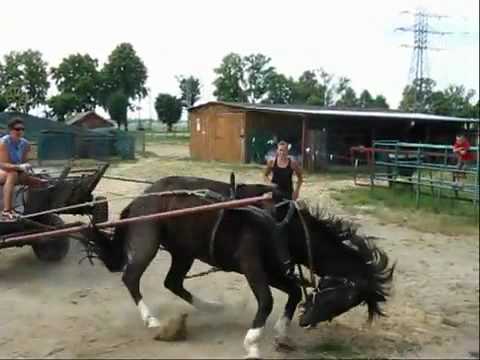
point(337, 112)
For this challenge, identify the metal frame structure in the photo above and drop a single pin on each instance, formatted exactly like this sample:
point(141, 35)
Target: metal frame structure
point(420, 165)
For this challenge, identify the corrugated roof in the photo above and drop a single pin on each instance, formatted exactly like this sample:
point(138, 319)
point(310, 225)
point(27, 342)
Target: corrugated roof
point(339, 112)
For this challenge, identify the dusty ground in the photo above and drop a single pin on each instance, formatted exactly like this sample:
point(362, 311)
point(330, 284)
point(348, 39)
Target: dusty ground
point(76, 310)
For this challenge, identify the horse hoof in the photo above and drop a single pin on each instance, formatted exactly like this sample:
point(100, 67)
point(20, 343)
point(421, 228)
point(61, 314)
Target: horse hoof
point(284, 344)
point(152, 322)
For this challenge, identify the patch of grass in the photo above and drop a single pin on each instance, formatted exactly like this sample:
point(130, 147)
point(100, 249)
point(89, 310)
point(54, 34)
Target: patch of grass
point(397, 205)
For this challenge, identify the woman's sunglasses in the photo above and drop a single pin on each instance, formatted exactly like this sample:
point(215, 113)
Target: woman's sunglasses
point(19, 129)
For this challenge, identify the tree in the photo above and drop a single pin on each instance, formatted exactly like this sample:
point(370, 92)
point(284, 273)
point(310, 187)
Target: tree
point(327, 87)
point(380, 102)
point(23, 80)
point(169, 109)
point(257, 74)
point(78, 76)
point(3, 103)
point(454, 100)
point(316, 87)
point(279, 89)
point(62, 104)
point(348, 98)
point(307, 90)
point(123, 76)
point(476, 110)
point(117, 106)
point(190, 88)
point(414, 101)
point(230, 77)
point(365, 99)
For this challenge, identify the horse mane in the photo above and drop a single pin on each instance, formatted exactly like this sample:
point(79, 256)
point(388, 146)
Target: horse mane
point(345, 234)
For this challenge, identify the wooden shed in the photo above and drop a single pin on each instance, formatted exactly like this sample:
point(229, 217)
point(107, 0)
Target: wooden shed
point(228, 131)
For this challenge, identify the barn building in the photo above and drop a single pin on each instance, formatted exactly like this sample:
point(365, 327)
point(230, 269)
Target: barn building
point(242, 133)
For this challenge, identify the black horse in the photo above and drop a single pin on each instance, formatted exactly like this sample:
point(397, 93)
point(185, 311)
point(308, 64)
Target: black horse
point(227, 190)
point(242, 242)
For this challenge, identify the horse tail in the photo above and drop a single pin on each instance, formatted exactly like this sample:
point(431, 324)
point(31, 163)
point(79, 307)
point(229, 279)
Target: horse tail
point(111, 250)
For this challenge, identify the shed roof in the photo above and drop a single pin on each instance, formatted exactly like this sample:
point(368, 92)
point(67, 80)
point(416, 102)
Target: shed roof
point(81, 115)
point(336, 111)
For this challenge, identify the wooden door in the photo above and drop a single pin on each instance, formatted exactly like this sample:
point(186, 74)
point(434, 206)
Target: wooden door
point(229, 137)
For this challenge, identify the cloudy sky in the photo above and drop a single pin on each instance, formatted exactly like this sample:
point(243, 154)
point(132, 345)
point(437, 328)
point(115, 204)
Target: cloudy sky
point(351, 38)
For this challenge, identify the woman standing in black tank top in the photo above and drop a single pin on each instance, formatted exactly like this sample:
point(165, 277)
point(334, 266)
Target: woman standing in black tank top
point(282, 170)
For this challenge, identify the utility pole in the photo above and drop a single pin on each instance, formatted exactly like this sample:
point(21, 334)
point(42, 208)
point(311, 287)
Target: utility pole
point(419, 72)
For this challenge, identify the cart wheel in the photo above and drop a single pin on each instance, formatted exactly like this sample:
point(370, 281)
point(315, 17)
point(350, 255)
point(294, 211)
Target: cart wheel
point(55, 249)
point(100, 210)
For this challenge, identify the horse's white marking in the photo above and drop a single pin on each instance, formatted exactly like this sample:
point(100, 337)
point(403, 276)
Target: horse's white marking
point(207, 306)
point(281, 327)
point(149, 320)
point(252, 339)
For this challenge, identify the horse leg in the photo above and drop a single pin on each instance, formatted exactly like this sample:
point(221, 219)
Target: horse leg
point(179, 268)
point(257, 279)
point(282, 325)
point(139, 259)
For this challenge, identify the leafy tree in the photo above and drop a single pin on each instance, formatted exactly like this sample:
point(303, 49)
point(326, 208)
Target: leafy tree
point(190, 88)
point(365, 99)
point(307, 89)
point(62, 104)
point(78, 76)
point(380, 102)
point(279, 89)
point(257, 74)
point(117, 106)
point(327, 87)
point(348, 98)
point(315, 87)
point(3, 103)
point(454, 100)
point(169, 109)
point(230, 77)
point(476, 110)
point(122, 77)
point(23, 80)
point(412, 100)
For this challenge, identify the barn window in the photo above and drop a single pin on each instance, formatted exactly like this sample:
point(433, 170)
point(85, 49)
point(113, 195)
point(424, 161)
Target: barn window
point(198, 124)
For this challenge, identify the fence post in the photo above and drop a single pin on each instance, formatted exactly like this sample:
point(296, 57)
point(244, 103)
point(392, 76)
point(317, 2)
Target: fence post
point(419, 176)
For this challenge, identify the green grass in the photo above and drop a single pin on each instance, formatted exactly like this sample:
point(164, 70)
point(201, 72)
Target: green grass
point(397, 204)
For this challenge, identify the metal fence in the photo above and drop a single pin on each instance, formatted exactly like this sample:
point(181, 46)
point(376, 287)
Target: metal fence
point(99, 145)
point(425, 167)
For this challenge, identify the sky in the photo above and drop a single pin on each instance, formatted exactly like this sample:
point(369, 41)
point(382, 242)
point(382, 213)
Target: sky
point(356, 39)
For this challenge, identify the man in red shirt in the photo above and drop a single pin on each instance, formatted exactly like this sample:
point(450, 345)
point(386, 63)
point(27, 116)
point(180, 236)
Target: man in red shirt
point(464, 156)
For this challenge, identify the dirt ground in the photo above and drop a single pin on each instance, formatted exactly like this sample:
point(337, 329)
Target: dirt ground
point(72, 310)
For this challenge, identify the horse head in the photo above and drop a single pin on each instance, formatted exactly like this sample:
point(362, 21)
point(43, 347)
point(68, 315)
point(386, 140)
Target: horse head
point(352, 269)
